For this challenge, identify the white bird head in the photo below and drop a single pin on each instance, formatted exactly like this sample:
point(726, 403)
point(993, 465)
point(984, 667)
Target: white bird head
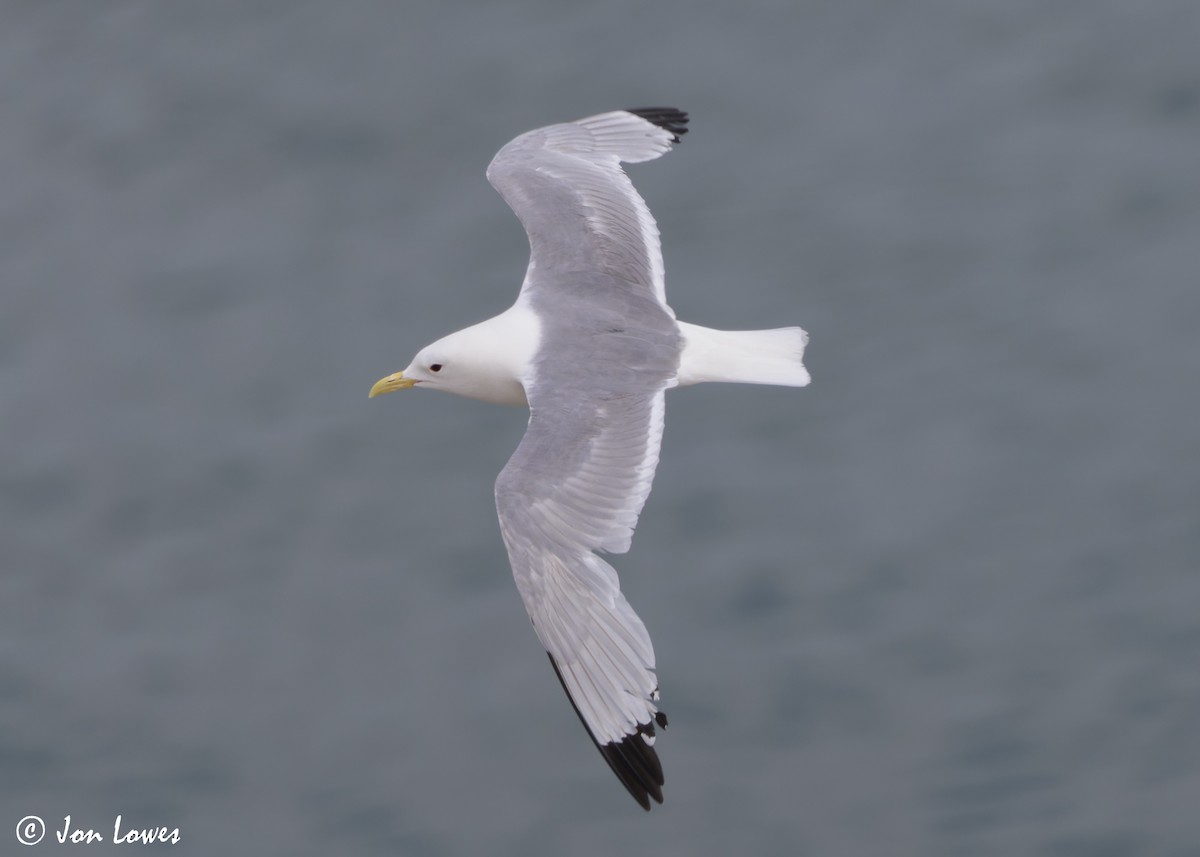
point(487, 361)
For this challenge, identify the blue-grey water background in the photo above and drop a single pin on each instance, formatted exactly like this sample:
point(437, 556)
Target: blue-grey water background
point(944, 601)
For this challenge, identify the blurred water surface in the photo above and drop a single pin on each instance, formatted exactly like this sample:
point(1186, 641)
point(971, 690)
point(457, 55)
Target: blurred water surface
point(942, 602)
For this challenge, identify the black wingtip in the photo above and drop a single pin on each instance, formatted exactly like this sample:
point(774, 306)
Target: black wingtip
point(632, 759)
point(636, 765)
point(668, 118)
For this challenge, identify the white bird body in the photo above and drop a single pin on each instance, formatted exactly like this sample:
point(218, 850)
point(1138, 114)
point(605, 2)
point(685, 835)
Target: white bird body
point(591, 346)
point(490, 370)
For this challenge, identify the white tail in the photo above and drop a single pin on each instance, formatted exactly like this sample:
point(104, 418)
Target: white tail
point(743, 356)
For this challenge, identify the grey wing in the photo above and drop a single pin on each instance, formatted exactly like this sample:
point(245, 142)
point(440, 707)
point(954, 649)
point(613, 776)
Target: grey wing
point(575, 485)
point(579, 209)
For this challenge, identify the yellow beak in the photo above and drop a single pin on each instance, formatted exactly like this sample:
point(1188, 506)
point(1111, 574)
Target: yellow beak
point(390, 384)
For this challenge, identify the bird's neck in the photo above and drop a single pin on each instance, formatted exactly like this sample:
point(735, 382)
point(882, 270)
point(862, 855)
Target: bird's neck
point(502, 351)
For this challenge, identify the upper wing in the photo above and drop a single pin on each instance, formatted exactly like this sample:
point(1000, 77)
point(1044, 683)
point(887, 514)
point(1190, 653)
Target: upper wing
point(578, 207)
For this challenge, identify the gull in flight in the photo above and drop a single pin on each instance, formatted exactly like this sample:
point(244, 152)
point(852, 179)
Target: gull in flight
point(591, 347)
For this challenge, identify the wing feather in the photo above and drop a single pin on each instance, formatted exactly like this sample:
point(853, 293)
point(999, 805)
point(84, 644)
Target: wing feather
point(579, 209)
point(553, 524)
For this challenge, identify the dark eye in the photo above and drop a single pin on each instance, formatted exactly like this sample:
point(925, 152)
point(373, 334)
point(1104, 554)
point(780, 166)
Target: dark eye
point(435, 367)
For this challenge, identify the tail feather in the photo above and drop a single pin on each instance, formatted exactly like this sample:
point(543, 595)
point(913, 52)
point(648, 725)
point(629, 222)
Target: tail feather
point(743, 356)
